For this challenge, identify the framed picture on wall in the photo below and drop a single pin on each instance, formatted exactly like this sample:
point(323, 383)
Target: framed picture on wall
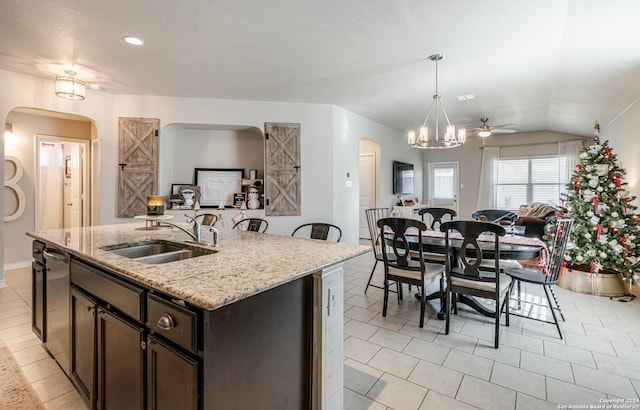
point(218, 185)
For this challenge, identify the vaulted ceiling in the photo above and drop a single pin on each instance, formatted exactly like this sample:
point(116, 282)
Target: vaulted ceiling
point(554, 65)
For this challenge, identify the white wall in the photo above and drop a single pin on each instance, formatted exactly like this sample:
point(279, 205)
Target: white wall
point(622, 134)
point(316, 142)
point(182, 150)
point(329, 145)
point(349, 130)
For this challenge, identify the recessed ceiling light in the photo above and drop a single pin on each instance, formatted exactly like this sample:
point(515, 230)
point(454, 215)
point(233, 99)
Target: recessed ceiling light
point(133, 40)
point(95, 87)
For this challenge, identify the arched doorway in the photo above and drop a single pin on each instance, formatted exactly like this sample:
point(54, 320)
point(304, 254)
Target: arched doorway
point(71, 135)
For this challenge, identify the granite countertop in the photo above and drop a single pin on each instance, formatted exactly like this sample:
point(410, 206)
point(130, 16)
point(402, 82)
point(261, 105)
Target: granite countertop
point(246, 263)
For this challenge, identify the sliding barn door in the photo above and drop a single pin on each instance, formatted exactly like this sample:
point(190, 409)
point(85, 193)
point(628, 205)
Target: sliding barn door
point(282, 173)
point(138, 164)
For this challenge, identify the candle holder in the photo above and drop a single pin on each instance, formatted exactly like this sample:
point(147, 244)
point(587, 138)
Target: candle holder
point(155, 205)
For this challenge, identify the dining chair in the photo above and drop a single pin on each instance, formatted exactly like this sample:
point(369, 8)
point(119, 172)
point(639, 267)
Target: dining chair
point(463, 273)
point(320, 230)
point(547, 276)
point(498, 216)
point(399, 266)
point(436, 214)
point(252, 225)
point(373, 215)
point(207, 219)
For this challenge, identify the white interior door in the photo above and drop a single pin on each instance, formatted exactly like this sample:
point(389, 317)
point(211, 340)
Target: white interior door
point(367, 184)
point(443, 185)
point(63, 183)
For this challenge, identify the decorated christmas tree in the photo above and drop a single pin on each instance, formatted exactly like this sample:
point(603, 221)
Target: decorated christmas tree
point(605, 232)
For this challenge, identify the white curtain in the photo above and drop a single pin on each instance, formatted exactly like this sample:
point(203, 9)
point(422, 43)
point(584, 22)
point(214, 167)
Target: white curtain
point(570, 150)
point(51, 184)
point(486, 198)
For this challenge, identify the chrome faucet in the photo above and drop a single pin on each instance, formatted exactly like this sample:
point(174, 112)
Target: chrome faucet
point(196, 234)
point(216, 235)
point(192, 235)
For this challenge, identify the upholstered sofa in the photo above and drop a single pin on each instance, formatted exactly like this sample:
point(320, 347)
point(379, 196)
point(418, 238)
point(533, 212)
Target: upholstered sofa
point(535, 217)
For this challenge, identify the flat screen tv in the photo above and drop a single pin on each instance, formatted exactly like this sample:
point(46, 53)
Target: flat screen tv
point(402, 178)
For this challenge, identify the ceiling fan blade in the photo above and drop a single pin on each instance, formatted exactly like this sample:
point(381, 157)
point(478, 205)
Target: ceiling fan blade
point(504, 131)
point(502, 126)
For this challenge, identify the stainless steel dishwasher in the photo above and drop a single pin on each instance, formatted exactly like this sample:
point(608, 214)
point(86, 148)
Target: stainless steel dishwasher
point(57, 301)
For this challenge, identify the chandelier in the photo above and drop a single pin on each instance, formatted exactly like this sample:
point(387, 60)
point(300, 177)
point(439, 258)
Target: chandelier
point(69, 87)
point(450, 139)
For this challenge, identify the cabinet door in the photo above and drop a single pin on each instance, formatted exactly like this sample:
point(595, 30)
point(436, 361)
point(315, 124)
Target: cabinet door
point(121, 371)
point(83, 346)
point(38, 292)
point(138, 164)
point(282, 173)
point(172, 378)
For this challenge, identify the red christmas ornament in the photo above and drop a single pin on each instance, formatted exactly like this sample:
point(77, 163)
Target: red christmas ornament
point(595, 204)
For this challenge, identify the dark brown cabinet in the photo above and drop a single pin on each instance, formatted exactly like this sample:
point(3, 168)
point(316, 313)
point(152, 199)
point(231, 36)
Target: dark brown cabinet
point(117, 362)
point(83, 352)
point(172, 378)
point(121, 364)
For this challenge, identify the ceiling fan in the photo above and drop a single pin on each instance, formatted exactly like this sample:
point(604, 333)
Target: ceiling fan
point(485, 130)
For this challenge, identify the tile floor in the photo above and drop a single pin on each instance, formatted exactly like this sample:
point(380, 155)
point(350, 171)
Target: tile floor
point(390, 363)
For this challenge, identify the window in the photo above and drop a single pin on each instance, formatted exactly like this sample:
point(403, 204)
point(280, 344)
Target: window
point(520, 181)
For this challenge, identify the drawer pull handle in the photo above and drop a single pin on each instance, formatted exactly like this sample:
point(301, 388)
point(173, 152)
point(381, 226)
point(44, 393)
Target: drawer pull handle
point(166, 322)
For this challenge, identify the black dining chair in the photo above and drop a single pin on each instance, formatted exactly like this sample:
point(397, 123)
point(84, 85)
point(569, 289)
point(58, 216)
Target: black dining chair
point(437, 214)
point(373, 215)
point(319, 230)
point(501, 217)
point(207, 219)
point(252, 225)
point(463, 273)
point(399, 266)
point(546, 277)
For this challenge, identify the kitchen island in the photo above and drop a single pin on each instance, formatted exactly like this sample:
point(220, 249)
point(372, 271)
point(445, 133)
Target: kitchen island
point(255, 324)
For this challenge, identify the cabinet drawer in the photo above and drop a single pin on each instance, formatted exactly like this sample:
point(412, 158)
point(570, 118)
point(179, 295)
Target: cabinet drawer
point(125, 297)
point(173, 322)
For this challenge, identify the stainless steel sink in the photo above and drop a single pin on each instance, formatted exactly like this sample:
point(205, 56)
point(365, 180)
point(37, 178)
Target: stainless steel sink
point(157, 251)
point(137, 251)
point(170, 256)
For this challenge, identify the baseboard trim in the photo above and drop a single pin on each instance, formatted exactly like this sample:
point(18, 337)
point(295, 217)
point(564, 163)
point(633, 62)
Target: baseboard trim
point(17, 265)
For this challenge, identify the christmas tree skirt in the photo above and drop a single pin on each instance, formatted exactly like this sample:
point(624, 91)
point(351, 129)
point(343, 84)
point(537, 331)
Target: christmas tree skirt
point(604, 283)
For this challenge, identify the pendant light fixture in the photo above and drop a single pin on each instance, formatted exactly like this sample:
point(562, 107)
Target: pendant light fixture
point(69, 87)
point(449, 139)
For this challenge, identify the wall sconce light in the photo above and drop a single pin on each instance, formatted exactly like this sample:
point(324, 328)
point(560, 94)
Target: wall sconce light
point(155, 205)
point(69, 87)
point(7, 128)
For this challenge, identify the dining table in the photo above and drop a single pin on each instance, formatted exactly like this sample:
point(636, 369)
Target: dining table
point(530, 252)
